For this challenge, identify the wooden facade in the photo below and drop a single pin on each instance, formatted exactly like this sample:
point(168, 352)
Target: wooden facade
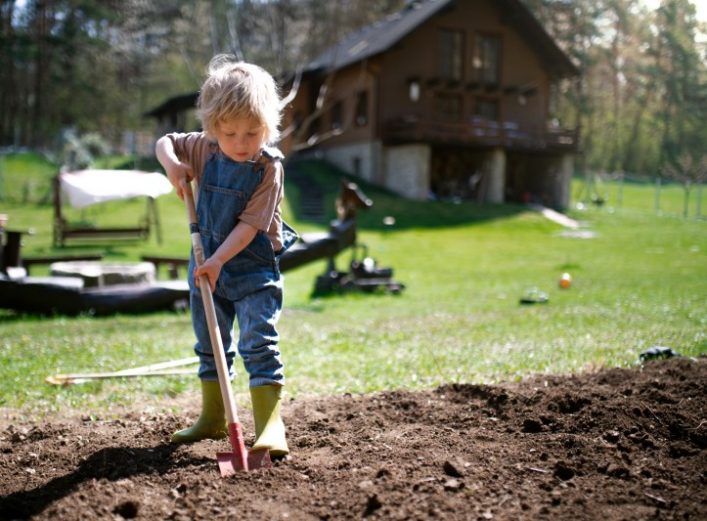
point(446, 99)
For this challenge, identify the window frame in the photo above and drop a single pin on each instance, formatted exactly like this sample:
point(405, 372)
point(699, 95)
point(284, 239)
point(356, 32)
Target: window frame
point(361, 109)
point(336, 115)
point(480, 101)
point(480, 61)
point(455, 63)
point(440, 97)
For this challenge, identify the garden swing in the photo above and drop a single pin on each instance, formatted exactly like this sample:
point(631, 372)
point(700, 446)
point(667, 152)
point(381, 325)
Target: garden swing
point(88, 187)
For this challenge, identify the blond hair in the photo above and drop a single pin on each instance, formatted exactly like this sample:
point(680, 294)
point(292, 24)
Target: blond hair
point(235, 89)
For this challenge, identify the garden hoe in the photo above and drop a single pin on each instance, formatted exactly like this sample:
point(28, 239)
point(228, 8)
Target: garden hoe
point(240, 458)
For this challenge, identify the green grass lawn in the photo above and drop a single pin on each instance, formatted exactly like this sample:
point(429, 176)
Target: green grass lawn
point(641, 281)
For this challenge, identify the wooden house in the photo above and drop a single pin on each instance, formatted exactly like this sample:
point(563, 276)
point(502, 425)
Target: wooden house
point(176, 114)
point(444, 99)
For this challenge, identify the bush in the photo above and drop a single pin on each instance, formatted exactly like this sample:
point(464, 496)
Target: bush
point(80, 152)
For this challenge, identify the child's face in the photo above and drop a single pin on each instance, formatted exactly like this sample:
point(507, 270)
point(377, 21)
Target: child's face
point(240, 139)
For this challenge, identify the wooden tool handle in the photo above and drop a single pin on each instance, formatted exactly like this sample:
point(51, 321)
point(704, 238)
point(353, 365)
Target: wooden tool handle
point(189, 203)
point(210, 311)
point(197, 245)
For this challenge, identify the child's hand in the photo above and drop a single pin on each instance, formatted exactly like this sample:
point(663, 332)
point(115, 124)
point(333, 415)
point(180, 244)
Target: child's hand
point(179, 174)
point(212, 269)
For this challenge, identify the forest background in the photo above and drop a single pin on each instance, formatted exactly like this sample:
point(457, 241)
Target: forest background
point(96, 66)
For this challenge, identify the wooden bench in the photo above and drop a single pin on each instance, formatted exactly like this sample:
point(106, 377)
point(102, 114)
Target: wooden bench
point(28, 262)
point(11, 253)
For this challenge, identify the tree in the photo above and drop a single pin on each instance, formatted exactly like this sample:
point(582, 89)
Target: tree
point(683, 82)
point(98, 65)
point(641, 71)
point(10, 54)
point(61, 57)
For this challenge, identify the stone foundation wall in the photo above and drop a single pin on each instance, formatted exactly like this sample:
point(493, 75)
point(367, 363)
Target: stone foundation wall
point(359, 159)
point(407, 170)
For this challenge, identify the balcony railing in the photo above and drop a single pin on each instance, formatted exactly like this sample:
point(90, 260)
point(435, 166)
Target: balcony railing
point(480, 132)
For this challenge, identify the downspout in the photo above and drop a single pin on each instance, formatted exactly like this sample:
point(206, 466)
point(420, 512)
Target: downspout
point(380, 173)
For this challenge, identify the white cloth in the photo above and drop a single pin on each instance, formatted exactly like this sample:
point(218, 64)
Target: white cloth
point(86, 187)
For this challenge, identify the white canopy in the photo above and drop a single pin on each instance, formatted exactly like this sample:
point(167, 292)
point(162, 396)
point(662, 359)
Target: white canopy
point(86, 187)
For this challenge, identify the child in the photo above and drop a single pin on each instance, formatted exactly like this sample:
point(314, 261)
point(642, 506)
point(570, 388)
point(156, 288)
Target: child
point(240, 187)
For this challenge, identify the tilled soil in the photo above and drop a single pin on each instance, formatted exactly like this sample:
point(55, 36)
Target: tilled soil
point(619, 444)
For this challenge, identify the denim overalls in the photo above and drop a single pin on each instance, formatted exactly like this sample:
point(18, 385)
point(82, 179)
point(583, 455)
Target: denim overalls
point(249, 287)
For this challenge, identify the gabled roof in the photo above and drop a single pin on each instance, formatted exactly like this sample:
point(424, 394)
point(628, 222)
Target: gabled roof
point(174, 104)
point(377, 37)
point(382, 35)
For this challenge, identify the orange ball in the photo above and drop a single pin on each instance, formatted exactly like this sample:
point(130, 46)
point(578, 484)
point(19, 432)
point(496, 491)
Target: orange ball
point(565, 281)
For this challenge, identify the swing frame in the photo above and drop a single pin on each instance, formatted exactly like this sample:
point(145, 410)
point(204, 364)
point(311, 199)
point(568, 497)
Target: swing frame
point(64, 230)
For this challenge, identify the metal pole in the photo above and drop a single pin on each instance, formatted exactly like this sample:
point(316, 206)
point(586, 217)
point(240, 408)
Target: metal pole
point(698, 206)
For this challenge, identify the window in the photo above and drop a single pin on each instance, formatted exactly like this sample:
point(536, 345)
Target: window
point(554, 98)
point(337, 116)
point(356, 166)
point(451, 54)
point(361, 111)
point(414, 90)
point(486, 63)
point(448, 106)
point(487, 108)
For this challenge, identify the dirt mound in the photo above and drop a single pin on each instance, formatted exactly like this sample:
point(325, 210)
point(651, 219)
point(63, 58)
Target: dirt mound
point(618, 444)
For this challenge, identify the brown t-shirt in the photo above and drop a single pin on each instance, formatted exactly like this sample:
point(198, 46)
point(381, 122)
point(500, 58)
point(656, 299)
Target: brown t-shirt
point(262, 210)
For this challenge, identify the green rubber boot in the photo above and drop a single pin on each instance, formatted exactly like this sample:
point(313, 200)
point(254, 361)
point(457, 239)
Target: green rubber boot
point(269, 427)
point(212, 421)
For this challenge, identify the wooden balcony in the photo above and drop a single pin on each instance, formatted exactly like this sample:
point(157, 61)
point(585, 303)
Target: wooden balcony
point(479, 132)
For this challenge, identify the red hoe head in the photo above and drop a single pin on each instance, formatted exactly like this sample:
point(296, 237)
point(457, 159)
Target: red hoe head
point(241, 459)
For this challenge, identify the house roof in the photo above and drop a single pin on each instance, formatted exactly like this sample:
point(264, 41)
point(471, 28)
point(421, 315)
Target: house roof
point(383, 34)
point(174, 104)
point(377, 37)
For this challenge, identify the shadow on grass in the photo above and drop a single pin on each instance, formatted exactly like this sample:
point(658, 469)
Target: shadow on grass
point(8, 316)
point(112, 463)
point(407, 213)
